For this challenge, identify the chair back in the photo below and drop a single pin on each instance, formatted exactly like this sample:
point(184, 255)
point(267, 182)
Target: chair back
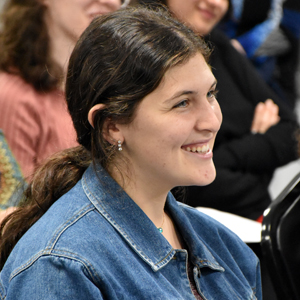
point(281, 241)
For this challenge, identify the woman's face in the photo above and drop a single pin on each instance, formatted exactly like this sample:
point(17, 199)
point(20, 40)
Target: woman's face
point(69, 18)
point(170, 141)
point(201, 15)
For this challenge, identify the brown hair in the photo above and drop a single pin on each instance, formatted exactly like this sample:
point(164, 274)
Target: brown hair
point(119, 59)
point(24, 44)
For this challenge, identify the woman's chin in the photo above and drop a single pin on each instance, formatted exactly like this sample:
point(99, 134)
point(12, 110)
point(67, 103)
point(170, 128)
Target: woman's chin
point(206, 177)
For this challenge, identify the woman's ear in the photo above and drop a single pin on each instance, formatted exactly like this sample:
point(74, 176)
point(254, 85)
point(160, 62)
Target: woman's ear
point(110, 129)
point(111, 132)
point(93, 110)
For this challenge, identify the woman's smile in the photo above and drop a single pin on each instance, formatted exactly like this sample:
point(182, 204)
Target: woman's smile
point(198, 148)
point(207, 14)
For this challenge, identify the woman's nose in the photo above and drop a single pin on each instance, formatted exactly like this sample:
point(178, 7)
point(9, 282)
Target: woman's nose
point(210, 118)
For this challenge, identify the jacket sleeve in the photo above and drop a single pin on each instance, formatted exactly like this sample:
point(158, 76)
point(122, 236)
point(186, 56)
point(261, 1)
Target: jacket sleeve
point(52, 278)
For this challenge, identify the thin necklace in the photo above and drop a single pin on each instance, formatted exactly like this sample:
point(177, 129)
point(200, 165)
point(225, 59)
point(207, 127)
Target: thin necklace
point(160, 229)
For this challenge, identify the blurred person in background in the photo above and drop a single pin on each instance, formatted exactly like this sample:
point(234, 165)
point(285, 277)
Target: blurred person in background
point(36, 40)
point(268, 33)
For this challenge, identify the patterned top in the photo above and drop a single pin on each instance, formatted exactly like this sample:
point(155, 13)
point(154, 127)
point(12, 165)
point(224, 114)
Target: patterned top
point(10, 175)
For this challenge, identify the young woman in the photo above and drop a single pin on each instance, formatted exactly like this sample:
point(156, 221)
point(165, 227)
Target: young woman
point(36, 39)
point(257, 134)
point(142, 98)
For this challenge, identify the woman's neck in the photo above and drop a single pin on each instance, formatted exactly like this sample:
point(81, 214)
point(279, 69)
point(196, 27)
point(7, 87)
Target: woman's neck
point(149, 198)
point(153, 205)
point(60, 53)
point(152, 199)
point(172, 235)
point(61, 47)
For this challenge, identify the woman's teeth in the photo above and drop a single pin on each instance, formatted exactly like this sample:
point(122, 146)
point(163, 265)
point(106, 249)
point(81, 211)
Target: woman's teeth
point(203, 149)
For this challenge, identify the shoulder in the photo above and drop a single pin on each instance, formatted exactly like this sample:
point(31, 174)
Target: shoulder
point(14, 83)
point(59, 230)
point(72, 235)
point(214, 234)
point(17, 95)
point(198, 217)
point(19, 100)
point(223, 50)
point(219, 39)
point(14, 88)
point(225, 246)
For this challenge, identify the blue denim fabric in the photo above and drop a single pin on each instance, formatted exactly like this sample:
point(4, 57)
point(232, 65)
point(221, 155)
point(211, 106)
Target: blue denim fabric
point(96, 243)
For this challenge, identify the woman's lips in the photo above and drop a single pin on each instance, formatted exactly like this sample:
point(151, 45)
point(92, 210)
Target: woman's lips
point(97, 14)
point(207, 14)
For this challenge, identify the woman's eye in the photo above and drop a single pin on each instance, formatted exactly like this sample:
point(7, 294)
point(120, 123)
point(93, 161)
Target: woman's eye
point(212, 94)
point(183, 103)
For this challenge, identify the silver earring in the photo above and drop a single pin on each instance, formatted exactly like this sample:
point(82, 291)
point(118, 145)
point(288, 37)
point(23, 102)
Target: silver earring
point(119, 145)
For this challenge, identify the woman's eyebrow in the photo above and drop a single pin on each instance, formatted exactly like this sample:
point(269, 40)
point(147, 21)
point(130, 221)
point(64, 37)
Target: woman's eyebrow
point(187, 92)
point(179, 94)
point(214, 84)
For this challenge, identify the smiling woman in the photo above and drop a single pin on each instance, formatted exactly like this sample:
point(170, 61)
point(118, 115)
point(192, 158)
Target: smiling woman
point(142, 100)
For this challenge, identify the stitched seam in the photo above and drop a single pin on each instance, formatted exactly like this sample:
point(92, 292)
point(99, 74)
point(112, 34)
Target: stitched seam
point(230, 287)
point(55, 238)
point(203, 262)
point(107, 216)
point(62, 254)
point(2, 292)
point(69, 223)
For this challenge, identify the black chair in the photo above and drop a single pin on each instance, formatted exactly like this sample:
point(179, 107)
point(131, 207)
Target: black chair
point(281, 241)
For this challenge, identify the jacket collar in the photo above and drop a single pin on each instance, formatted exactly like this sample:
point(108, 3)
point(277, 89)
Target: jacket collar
point(137, 229)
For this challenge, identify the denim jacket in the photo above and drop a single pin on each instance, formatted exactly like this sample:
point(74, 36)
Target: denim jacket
point(96, 243)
